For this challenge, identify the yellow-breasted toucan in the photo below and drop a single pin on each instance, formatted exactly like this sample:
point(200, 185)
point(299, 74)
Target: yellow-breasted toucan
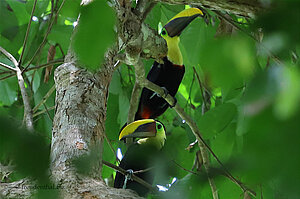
point(141, 155)
point(170, 73)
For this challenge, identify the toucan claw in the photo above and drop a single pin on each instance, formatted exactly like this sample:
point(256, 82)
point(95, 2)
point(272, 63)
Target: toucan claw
point(166, 92)
point(175, 102)
point(129, 173)
point(128, 176)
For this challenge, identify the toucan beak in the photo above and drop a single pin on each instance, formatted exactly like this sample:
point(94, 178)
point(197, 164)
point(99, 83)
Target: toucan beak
point(178, 23)
point(139, 129)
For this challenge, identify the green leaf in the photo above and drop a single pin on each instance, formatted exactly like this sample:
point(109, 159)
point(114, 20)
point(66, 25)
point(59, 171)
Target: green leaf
point(223, 144)
point(13, 44)
point(35, 79)
point(287, 100)
point(192, 41)
point(115, 86)
point(71, 9)
point(191, 186)
point(228, 189)
point(61, 34)
point(112, 126)
point(40, 7)
point(278, 85)
point(277, 29)
point(19, 9)
point(124, 104)
point(175, 148)
point(153, 18)
point(94, 34)
point(109, 156)
point(8, 91)
point(268, 156)
point(216, 120)
point(28, 151)
point(228, 62)
point(85, 163)
point(9, 26)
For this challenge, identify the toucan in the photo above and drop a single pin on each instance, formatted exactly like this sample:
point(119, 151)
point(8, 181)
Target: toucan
point(168, 74)
point(141, 155)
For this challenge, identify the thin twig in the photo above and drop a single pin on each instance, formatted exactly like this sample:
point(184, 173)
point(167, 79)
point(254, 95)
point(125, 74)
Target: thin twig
point(187, 170)
point(27, 33)
point(110, 146)
point(134, 177)
point(6, 72)
point(43, 111)
point(47, 111)
point(48, 94)
point(58, 61)
point(9, 56)
point(201, 87)
point(144, 170)
point(8, 67)
point(6, 77)
point(189, 100)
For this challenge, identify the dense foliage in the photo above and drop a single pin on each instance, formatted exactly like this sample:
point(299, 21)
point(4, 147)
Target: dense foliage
point(242, 87)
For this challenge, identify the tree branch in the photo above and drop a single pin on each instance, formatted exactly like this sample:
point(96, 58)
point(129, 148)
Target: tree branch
point(244, 8)
point(17, 189)
point(9, 56)
point(134, 177)
point(28, 117)
point(136, 92)
point(8, 67)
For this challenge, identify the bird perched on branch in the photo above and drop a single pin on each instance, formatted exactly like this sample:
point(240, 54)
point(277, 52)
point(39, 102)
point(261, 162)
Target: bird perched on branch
point(141, 155)
point(168, 74)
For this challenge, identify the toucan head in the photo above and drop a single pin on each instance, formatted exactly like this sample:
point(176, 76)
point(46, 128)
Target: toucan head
point(179, 22)
point(151, 130)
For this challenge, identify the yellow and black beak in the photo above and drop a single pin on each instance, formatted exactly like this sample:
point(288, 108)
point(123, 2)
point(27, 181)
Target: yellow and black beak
point(139, 129)
point(177, 24)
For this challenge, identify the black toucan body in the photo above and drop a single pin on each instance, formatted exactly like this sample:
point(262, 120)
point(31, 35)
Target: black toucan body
point(168, 74)
point(141, 155)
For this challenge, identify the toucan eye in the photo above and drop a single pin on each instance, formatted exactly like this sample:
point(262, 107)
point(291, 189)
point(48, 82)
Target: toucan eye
point(159, 126)
point(163, 32)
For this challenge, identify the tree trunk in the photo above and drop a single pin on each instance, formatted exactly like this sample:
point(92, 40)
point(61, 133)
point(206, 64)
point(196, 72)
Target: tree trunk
point(78, 128)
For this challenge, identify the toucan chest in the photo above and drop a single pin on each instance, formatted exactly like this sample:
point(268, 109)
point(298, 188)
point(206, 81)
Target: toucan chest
point(167, 75)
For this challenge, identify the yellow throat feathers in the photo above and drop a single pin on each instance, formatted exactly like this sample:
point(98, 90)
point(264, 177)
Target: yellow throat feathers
point(174, 54)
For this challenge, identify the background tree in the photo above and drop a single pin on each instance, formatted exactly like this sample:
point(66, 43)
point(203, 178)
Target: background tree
point(233, 132)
